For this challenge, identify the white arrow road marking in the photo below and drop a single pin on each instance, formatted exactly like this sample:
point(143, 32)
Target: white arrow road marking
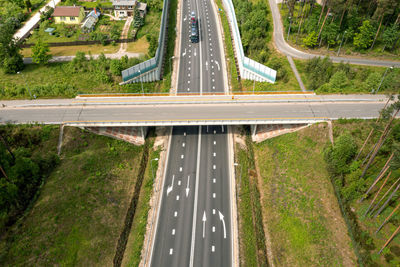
point(170, 188)
point(216, 62)
point(184, 18)
point(195, 54)
point(184, 53)
point(204, 223)
point(221, 217)
point(187, 186)
point(206, 65)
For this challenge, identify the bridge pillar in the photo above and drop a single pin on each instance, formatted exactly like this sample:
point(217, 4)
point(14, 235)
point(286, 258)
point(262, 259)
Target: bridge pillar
point(266, 131)
point(130, 134)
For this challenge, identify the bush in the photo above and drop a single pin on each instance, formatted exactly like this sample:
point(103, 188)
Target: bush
point(372, 82)
point(311, 40)
point(116, 67)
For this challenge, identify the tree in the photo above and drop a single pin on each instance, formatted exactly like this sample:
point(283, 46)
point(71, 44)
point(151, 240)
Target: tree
point(28, 5)
point(311, 40)
point(40, 53)
point(339, 155)
point(390, 36)
point(330, 33)
point(364, 38)
point(10, 59)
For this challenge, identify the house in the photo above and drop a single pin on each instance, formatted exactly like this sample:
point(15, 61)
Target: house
point(142, 8)
point(68, 14)
point(90, 21)
point(124, 8)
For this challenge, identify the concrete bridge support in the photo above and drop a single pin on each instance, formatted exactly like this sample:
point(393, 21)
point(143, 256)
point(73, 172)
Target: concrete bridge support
point(134, 135)
point(263, 132)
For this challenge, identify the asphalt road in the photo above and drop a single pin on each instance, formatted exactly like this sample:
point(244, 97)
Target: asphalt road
point(191, 114)
point(285, 48)
point(196, 178)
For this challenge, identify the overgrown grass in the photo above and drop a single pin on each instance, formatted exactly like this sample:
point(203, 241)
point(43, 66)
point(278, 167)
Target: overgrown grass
point(80, 213)
point(251, 232)
point(298, 202)
point(135, 244)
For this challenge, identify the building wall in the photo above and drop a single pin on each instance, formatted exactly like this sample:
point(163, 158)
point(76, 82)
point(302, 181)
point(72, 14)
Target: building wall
point(68, 20)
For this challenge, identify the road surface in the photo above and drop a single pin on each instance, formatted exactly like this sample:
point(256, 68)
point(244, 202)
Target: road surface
point(193, 224)
point(191, 114)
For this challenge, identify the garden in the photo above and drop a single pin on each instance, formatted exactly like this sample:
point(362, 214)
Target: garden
point(105, 30)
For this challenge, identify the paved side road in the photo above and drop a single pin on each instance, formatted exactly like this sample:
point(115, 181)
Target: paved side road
point(31, 23)
point(286, 49)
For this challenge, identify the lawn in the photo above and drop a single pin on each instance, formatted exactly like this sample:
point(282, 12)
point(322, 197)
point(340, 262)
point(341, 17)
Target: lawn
point(80, 213)
point(299, 206)
point(139, 46)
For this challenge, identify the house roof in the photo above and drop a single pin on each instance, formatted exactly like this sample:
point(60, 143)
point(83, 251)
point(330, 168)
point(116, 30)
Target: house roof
point(124, 2)
point(66, 11)
point(142, 6)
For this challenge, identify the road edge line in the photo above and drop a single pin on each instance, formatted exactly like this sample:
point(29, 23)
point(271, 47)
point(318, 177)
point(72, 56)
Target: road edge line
point(154, 234)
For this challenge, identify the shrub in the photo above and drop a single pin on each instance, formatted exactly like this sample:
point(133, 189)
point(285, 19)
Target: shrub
point(311, 40)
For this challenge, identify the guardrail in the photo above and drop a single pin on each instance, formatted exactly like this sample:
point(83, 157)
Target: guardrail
point(195, 122)
point(150, 70)
point(249, 69)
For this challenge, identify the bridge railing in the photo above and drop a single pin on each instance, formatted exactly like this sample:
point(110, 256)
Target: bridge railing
point(150, 70)
point(249, 69)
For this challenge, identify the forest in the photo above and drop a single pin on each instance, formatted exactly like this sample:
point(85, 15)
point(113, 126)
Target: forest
point(363, 25)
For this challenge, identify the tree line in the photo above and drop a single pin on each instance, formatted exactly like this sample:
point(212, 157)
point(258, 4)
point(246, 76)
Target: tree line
point(22, 170)
point(364, 23)
point(370, 173)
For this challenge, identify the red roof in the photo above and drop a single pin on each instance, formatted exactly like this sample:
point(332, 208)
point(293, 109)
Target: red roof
point(66, 11)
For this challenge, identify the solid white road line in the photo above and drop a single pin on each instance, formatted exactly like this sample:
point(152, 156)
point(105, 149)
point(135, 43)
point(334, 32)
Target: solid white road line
point(195, 199)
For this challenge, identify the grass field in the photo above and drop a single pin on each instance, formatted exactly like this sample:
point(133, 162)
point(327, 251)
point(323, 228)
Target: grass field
point(80, 212)
point(139, 46)
point(298, 202)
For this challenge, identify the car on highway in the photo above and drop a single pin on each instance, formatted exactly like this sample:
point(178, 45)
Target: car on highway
point(194, 33)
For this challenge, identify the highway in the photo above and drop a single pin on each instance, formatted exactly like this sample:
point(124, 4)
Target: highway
point(193, 222)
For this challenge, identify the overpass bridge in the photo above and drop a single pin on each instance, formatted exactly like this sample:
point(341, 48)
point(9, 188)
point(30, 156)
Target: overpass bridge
point(192, 110)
